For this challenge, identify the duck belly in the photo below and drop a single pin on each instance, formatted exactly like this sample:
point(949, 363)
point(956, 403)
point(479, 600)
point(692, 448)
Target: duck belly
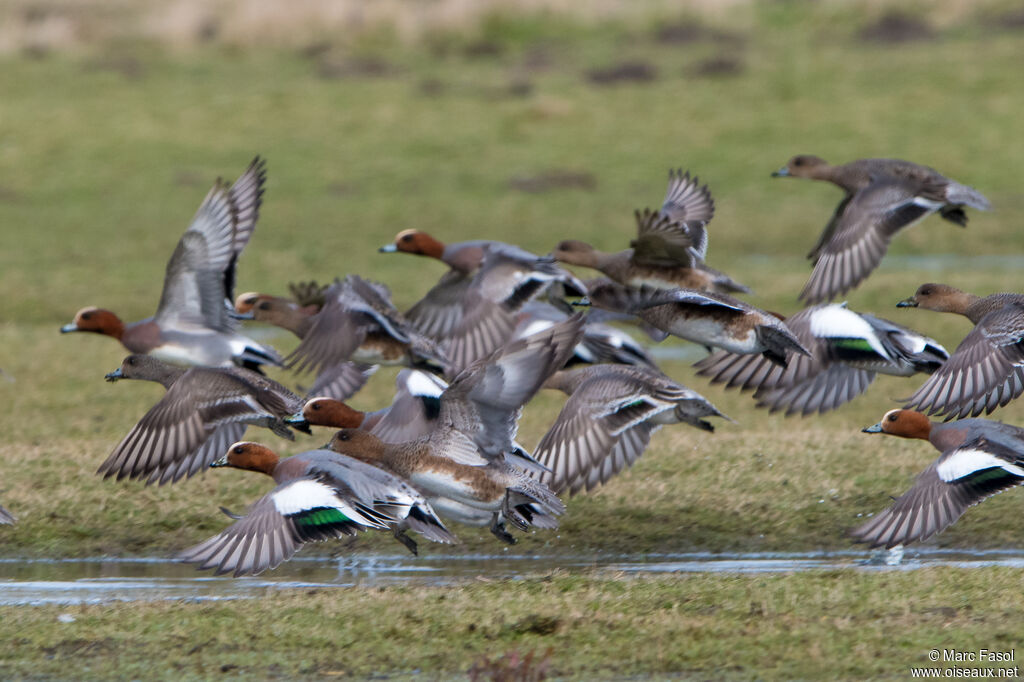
point(710, 332)
point(380, 349)
point(444, 484)
point(194, 355)
point(461, 513)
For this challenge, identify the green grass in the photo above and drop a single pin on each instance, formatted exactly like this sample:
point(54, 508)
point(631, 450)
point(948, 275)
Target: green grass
point(105, 154)
point(821, 625)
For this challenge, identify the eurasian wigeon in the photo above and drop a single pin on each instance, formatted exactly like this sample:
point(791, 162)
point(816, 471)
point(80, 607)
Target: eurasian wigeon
point(846, 349)
point(508, 278)
point(204, 410)
point(986, 370)
point(883, 196)
point(319, 495)
point(704, 317)
point(193, 324)
point(281, 312)
point(944, 298)
point(470, 457)
point(607, 422)
point(979, 459)
point(340, 381)
point(358, 322)
point(439, 311)
point(412, 414)
point(600, 343)
point(667, 252)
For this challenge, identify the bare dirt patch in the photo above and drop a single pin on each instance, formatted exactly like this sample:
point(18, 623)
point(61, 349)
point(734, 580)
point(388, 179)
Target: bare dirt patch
point(623, 72)
point(553, 180)
point(897, 28)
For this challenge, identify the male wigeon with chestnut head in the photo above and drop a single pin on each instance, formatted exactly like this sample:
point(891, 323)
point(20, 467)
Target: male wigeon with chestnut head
point(979, 459)
point(319, 495)
point(194, 324)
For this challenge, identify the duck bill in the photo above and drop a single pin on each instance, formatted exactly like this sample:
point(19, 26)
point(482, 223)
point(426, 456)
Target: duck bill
point(387, 248)
point(69, 328)
point(907, 303)
point(781, 173)
point(235, 315)
point(299, 423)
point(222, 462)
point(582, 303)
point(874, 428)
point(114, 376)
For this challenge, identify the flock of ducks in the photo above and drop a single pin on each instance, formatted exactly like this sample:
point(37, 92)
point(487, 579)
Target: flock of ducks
point(503, 323)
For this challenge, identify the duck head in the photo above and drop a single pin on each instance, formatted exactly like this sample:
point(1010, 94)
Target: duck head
point(802, 166)
point(903, 423)
point(938, 297)
point(415, 241)
point(250, 457)
point(96, 320)
point(331, 412)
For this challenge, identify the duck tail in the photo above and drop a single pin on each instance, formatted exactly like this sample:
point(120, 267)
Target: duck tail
point(255, 355)
point(531, 503)
point(426, 523)
point(967, 196)
point(691, 412)
point(777, 342)
point(954, 214)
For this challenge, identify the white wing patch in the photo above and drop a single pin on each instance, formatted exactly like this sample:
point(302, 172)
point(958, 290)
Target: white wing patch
point(930, 204)
point(422, 384)
point(966, 462)
point(305, 495)
point(837, 321)
point(915, 343)
point(535, 327)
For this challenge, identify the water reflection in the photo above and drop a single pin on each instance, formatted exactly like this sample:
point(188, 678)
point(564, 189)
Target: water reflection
point(83, 581)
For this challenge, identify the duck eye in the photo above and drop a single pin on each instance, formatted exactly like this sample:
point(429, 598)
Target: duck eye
point(239, 449)
point(342, 436)
point(315, 406)
point(86, 316)
point(798, 162)
point(407, 238)
point(893, 417)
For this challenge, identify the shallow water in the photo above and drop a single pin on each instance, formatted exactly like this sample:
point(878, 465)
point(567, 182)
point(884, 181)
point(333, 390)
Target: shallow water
point(93, 581)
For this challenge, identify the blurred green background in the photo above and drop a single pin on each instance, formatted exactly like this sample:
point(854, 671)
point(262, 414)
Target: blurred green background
point(530, 122)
